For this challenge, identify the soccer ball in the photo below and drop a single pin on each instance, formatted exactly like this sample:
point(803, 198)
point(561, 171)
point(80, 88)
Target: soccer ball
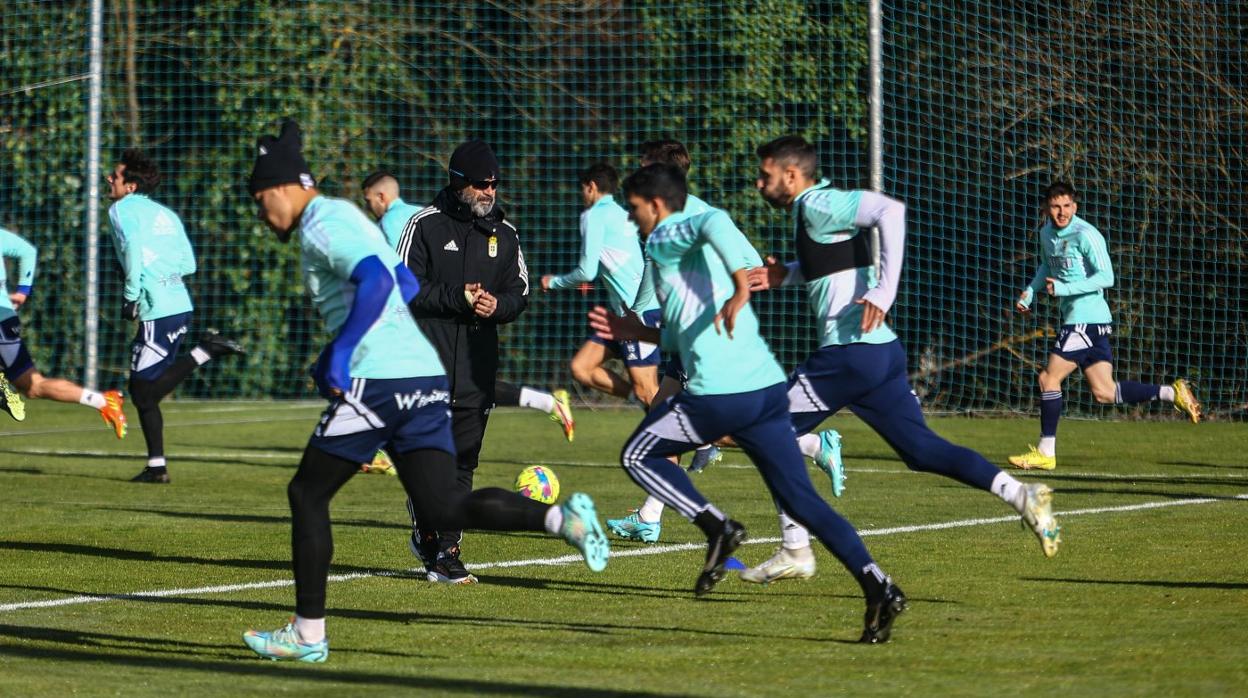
point(538, 482)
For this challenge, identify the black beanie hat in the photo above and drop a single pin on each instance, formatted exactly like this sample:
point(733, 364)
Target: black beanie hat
point(280, 160)
point(473, 161)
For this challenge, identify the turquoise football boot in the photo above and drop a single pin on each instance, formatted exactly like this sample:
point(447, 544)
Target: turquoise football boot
point(285, 643)
point(829, 459)
point(582, 531)
point(631, 527)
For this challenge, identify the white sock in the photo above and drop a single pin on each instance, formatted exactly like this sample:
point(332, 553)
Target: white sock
point(1009, 490)
point(1166, 394)
point(651, 511)
point(1047, 446)
point(201, 357)
point(90, 398)
point(537, 399)
point(793, 536)
point(554, 520)
point(157, 462)
point(311, 630)
point(809, 445)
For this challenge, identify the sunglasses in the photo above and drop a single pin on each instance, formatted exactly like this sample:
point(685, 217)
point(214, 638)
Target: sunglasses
point(487, 184)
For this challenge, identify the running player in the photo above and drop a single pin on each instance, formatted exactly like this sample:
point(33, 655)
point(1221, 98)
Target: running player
point(155, 255)
point(610, 250)
point(15, 361)
point(735, 388)
point(646, 522)
point(1075, 269)
point(385, 386)
point(860, 363)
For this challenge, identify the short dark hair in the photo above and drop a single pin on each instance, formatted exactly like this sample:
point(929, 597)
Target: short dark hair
point(659, 181)
point(602, 174)
point(791, 150)
point(667, 152)
point(1059, 188)
point(376, 177)
point(141, 170)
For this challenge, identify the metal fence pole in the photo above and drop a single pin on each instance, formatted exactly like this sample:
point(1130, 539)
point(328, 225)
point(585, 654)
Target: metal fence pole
point(90, 373)
point(875, 107)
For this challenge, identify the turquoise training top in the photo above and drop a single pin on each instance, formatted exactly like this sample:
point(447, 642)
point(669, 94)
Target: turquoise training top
point(334, 237)
point(610, 248)
point(742, 253)
point(827, 216)
point(693, 257)
point(395, 219)
point(1076, 256)
point(155, 255)
point(14, 246)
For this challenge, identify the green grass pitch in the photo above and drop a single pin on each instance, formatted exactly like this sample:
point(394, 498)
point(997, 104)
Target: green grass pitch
point(111, 588)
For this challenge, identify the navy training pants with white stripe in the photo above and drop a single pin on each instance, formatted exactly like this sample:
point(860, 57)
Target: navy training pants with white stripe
point(759, 422)
point(870, 379)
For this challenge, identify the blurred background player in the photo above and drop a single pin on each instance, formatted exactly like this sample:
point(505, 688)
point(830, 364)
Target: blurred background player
point(155, 255)
point(386, 387)
point(735, 388)
point(381, 195)
point(610, 250)
point(472, 279)
point(15, 361)
point(1074, 268)
point(860, 363)
point(646, 522)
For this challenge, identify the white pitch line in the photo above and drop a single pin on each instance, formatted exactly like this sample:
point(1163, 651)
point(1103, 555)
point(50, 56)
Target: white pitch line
point(568, 559)
point(293, 457)
point(176, 425)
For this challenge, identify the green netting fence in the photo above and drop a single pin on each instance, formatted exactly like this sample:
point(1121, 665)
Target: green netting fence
point(1142, 104)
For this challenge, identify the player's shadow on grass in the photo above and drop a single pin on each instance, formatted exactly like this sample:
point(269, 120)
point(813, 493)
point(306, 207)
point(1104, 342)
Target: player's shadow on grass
point(23, 471)
point(1162, 583)
point(286, 448)
point(601, 629)
point(654, 592)
point(115, 457)
point(257, 518)
point(242, 662)
point(150, 557)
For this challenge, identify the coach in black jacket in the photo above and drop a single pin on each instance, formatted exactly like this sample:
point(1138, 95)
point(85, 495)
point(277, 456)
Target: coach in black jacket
point(472, 279)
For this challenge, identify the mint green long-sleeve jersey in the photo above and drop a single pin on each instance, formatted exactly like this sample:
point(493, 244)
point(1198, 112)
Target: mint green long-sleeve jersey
point(155, 255)
point(1076, 256)
point(16, 247)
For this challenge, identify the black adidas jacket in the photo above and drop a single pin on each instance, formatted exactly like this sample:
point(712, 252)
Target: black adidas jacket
point(447, 248)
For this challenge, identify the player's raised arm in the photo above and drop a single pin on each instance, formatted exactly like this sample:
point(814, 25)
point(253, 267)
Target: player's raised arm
point(591, 250)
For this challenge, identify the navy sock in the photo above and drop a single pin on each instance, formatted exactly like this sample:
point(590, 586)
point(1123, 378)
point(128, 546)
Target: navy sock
point(1050, 412)
point(1132, 392)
